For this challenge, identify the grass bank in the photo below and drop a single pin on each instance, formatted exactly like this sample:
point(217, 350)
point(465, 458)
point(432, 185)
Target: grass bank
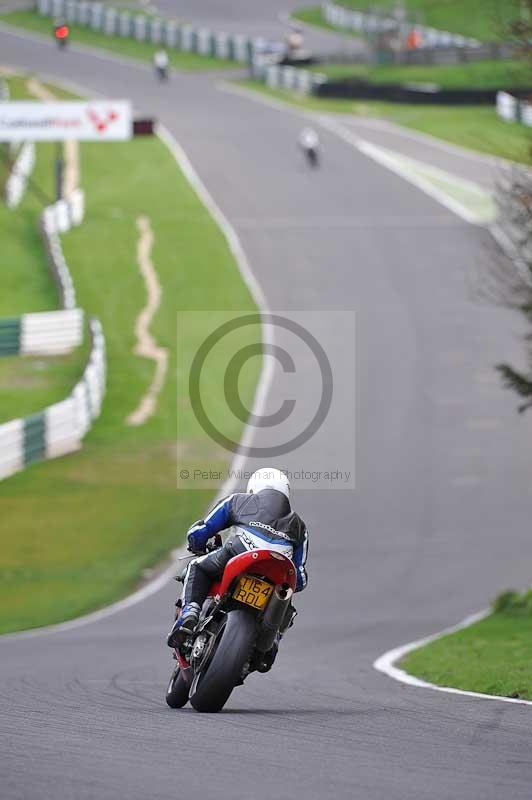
point(314, 16)
point(493, 656)
point(476, 127)
point(142, 51)
point(31, 383)
point(481, 19)
point(478, 75)
point(78, 532)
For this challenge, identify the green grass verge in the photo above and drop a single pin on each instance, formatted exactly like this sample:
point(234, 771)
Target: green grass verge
point(475, 127)
point(77, 532)
point(478, 75)
point(493, 656)
point(29, 384)
point(28, 287)
point(314, 16)
point(142, 51)
point(481, 19)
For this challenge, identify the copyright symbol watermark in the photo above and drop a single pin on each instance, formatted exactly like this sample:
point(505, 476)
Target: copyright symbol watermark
point(266, 387)
point(288, 405)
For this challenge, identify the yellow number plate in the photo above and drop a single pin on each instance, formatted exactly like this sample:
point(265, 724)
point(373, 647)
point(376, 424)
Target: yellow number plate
point(253, 591)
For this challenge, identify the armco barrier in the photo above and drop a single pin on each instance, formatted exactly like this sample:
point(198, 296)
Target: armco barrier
point(20, 172)
point(50, 332)
point(370, 23)
point(514, 109)
point(305, 81)
point(432, 56)
point(60, 428)
point(41, 333)
point(56, 219)
point(155, 30)
point(293, 79)
point(404, 93)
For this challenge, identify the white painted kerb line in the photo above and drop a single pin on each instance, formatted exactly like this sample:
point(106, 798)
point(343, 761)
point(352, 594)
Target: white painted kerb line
point(424, 177)
point(267, 332)
point(387, 663)
point(464, 198)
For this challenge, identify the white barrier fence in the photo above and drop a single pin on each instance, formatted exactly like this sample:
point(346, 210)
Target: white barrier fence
point(512, 109)
point(283, 77)
point(59, 218)
point(155, 30)
point(20, 172)
point(41, 333)
point(370, 23)
point(60, 428)
point(51, 332)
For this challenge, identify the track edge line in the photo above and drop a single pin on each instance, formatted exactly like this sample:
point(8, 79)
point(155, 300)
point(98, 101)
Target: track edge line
point(386, 663)
point(261, 392)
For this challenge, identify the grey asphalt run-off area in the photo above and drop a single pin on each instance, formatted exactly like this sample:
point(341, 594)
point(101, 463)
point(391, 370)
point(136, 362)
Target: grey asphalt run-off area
point(438, 523)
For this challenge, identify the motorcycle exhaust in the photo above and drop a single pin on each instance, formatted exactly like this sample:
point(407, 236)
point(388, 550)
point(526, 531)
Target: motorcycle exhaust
point(274, 616)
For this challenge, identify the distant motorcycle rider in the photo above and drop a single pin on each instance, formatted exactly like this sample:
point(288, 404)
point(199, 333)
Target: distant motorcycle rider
point(309, 142)
point(161, 63)
point(259, 518)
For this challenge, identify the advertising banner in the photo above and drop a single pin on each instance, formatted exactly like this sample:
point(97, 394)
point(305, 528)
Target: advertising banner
point(96, 121)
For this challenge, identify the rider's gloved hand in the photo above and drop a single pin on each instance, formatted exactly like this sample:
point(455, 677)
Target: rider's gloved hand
point(196, 544)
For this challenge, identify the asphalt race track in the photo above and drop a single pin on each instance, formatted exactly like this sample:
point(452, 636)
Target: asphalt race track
point(438, 523)
point(256, 18)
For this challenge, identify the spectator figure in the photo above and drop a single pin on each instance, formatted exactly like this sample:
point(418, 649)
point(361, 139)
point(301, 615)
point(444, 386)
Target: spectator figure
point(414, 40)
point(294, 41)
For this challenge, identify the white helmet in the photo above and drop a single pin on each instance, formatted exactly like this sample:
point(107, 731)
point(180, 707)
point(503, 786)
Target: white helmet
point(269, 478)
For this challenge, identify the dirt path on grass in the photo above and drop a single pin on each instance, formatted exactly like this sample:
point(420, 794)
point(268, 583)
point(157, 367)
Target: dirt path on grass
point(146, 345)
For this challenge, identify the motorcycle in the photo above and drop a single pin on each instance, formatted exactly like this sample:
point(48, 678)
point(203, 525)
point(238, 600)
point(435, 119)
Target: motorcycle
point(162, 73)
point(309, 143)
point(312, 156)
point(239, 625)
point(61, 35)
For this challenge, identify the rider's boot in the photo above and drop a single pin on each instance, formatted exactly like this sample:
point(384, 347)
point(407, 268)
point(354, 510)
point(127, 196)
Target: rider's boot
point(266, 662)
point(184, 624)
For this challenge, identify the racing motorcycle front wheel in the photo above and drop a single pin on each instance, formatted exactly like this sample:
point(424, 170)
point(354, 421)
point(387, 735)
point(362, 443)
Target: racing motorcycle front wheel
point(215, 681)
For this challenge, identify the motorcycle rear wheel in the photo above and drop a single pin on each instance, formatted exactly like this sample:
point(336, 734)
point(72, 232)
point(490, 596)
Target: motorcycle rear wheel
point(177, 691)
point(211, 689)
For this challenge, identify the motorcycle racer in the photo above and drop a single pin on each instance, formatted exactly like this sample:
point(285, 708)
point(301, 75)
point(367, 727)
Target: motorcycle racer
point(262, 517)
point(310, 143)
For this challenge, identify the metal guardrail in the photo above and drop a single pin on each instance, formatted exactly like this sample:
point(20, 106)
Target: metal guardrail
point(155, 30)
point(514, 109)
point(19, 174)
point(294, 79)
point(59, 218)
point(41, 333)
point(368, 22)
point(60, 428)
